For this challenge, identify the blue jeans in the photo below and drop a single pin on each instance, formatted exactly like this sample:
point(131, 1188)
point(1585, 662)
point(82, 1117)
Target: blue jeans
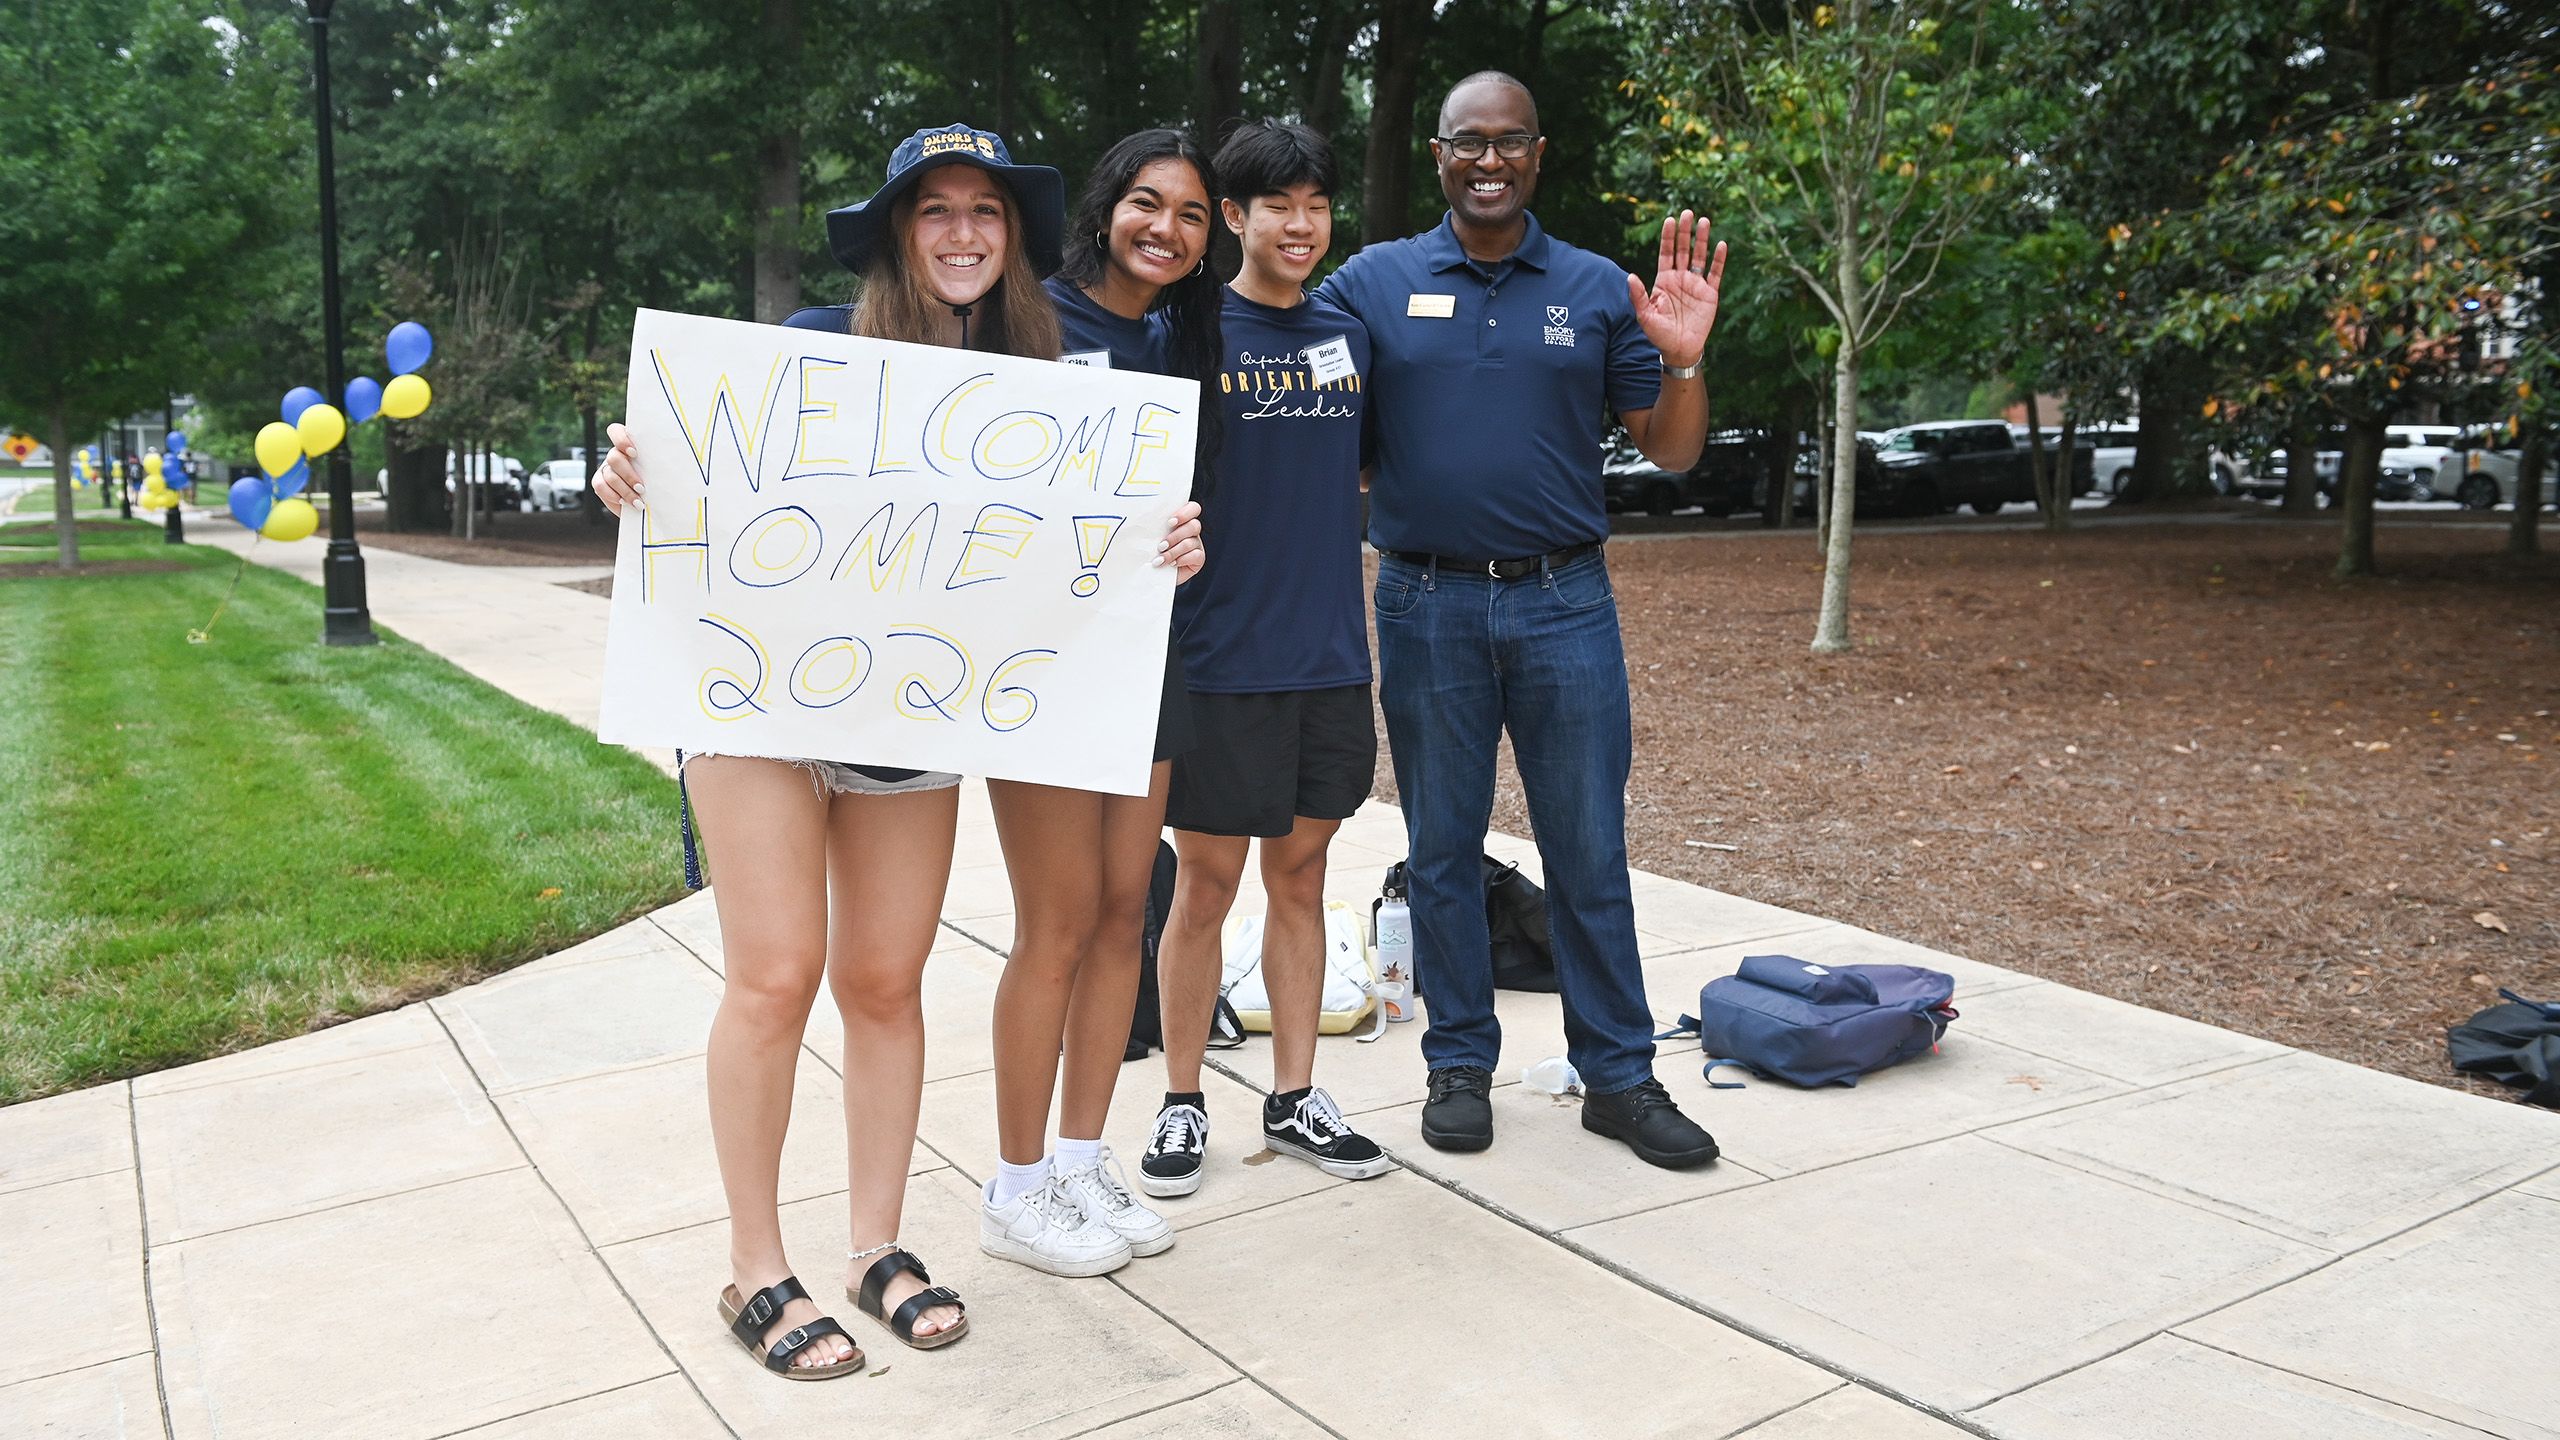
point(1461, 658)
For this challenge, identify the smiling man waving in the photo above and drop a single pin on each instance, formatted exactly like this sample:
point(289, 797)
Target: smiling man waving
point(1498, 352)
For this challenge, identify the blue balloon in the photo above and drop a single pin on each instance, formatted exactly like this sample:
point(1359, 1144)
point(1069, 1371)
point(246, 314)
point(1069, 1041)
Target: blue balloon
point(297, 400)
point(251, 499)
point(364, 399)
point(290, 483)
point(177, 442)
point(408, 346)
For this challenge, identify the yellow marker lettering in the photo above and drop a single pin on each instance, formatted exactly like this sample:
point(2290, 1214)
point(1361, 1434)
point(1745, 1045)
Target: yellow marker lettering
point(826, 410)
point(1150, 433)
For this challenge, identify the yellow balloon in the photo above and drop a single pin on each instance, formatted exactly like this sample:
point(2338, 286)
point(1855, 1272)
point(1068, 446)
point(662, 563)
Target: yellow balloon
point(322, 427)
point(151, 465)
point(278, 446)
point(292, 519)
point(405, 396)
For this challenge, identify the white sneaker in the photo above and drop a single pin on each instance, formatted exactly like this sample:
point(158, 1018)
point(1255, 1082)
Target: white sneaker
point(1044, 1228)
point(1103, 1191)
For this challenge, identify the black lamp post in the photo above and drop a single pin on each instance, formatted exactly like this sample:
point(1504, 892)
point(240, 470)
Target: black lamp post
point(345, 619)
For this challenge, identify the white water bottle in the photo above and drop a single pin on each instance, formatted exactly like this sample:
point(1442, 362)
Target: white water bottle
point(1393, 921)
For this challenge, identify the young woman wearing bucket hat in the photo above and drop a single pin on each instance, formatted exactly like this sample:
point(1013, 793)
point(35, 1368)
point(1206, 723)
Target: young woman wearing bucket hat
point(1134, 294)
point(837, 870)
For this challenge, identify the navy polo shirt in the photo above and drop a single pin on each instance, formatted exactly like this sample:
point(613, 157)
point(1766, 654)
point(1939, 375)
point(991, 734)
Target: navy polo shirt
point(1279, 606)
point(1088, 334)
point(1491, 389)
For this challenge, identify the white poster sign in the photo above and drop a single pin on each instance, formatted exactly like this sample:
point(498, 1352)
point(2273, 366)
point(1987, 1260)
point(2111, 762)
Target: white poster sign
point(898, 555)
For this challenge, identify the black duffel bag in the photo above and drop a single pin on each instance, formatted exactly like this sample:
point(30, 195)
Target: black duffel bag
point(2516, 1044)
point(1515, 921)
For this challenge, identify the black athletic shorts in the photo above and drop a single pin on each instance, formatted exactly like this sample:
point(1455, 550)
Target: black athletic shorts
point(1174, 732)
point(1263, 760)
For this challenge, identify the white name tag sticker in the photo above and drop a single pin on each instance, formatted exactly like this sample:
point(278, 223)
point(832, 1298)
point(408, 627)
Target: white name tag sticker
point(1431, 307)
point(1332, 360)
point(1092, 359)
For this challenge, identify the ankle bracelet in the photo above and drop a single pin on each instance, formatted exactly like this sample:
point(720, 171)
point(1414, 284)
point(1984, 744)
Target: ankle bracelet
point(852, 1255)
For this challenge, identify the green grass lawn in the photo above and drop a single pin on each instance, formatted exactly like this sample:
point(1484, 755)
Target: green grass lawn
point(204, 848)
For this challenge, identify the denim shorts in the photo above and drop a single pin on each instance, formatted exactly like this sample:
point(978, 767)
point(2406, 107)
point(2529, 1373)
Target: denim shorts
point(838, 777)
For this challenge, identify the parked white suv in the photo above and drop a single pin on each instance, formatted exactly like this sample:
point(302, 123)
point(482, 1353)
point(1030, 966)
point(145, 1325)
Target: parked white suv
point(557, 485)
point(2455, 463)
point(2111, 450)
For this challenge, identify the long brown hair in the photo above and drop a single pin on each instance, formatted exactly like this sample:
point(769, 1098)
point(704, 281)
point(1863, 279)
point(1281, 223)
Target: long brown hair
point(1016, 317)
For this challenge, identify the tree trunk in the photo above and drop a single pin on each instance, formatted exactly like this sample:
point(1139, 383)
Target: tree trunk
point(2360, 474)
point(1533, 51)
point(2302, 468)
point(2066, 455)
point(2169, 461)
point(416, 500)
point(777, 228)
point(1778, 508)
point(2523, 537)
point(1217, 75)
point(1403, 28)
point(2037, 467)
point(66, 521)
point(1831, 628)
point(1008, 21)
point(1323, 103)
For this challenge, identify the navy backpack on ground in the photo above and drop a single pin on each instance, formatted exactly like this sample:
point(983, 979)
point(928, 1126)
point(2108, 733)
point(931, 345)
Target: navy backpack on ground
point(1811, 1024)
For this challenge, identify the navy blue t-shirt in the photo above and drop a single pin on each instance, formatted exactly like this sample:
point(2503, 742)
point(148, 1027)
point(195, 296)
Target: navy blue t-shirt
point(1091, 335)
point(1279, 605)
point(1492, 389)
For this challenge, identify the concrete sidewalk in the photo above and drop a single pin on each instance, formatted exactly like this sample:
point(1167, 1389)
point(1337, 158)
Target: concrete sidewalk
point(496, 1213)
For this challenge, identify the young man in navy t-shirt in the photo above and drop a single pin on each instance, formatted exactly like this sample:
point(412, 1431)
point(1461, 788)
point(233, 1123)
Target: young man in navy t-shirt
point(1275, 647)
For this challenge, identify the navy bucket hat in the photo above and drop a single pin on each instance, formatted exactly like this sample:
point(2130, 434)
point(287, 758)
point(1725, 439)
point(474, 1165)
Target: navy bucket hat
point(1039, 192)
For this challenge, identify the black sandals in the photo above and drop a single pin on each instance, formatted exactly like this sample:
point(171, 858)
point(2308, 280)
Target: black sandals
point(903, 1324)
point(749, 1321)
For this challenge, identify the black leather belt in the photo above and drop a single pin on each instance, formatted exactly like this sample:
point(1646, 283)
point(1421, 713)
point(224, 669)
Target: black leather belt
point(1520, 569)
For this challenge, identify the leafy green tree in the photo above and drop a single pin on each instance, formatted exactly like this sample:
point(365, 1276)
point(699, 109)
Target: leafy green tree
point(2400, 215)
point(144, 179)
point(1849, 133)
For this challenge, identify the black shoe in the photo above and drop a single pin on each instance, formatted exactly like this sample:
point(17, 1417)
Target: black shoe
point(1172, 1163)
point(1459, 1114)
point(1649, 1120)
point(1312, 1128)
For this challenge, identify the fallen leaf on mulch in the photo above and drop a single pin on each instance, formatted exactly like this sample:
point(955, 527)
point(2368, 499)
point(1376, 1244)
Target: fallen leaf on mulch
point(2488, 920)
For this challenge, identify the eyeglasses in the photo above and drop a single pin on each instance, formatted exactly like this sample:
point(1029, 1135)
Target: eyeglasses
point(1472, 147)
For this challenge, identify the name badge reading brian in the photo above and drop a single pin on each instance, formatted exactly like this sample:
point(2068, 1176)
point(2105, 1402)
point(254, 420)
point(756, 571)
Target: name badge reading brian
point(1092, 359)
point(1432, 307)
point(1332, 360)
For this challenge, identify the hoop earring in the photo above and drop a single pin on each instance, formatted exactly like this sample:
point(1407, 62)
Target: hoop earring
point(1101, 243)
point(1200, 269)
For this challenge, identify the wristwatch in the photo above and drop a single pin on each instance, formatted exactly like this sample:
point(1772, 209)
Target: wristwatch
point(1683, 372)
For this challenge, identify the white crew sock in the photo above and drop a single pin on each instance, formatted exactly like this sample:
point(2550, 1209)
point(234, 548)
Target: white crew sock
point(1074, 1155)
point(1012, 1180)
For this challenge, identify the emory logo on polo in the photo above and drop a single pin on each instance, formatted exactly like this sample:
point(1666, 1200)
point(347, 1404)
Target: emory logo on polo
point(1559, 332)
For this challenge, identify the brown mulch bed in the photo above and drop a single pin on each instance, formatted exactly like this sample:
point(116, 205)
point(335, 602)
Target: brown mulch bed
point(2178, 765)
point(540, 537)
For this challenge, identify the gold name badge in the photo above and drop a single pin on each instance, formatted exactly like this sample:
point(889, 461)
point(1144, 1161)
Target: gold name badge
point(1433, 307)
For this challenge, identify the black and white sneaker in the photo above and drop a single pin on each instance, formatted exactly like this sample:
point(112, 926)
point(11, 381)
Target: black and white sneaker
point(1313, 1130)
point(1172, 1163)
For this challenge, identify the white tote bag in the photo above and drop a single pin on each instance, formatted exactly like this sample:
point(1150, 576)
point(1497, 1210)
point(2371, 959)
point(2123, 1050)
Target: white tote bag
point(1350, 980)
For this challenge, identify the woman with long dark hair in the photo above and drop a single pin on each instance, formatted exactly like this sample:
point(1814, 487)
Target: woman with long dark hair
point(831, 871)
point(1134, 293)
